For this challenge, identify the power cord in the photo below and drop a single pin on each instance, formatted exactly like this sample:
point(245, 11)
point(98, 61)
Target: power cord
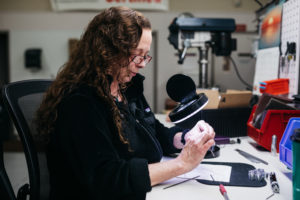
point(257, 1)
point(239, 76)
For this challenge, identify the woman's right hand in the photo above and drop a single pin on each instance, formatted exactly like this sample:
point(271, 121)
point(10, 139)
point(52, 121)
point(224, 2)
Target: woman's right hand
point(198, 140)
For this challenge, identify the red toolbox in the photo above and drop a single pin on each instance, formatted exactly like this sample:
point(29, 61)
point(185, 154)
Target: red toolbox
point(274, 123)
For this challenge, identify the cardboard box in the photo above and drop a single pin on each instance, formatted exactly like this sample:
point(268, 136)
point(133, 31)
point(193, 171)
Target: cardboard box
point(213, 98)
point(230, 99)
point(235, 99)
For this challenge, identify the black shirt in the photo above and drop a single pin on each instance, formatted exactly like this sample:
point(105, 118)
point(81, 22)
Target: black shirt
point(86, 158)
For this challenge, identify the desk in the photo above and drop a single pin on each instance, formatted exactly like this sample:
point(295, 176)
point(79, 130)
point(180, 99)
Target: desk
point(193, 190)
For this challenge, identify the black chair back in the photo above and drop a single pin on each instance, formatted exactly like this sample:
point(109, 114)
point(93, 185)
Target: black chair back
point(21, 100)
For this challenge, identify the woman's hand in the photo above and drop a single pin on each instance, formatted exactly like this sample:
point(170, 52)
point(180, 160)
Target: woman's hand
point(198, 140)
point(200, 128)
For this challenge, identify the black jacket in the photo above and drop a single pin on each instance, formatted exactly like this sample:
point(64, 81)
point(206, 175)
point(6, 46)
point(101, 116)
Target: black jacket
point(86, 159)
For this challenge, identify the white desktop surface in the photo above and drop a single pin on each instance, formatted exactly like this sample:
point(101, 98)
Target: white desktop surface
point(193, 190)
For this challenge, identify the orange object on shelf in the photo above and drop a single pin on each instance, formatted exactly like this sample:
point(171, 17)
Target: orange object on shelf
point(275, 87)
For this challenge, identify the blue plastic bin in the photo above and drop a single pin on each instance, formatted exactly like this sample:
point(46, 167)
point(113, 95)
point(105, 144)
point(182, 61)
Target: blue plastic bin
point(285, 145)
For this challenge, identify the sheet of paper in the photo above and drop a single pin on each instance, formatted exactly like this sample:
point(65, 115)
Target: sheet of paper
point(204, 171)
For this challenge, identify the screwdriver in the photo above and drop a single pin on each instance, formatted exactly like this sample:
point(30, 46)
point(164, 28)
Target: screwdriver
point(211, 149)
point(222, 189)
point(223, 192)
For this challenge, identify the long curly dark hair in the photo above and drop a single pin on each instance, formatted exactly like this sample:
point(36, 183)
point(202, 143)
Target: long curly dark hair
point(102, 50)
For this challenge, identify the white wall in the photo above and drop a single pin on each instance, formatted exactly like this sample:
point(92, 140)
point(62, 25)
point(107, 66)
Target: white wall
point(50, 31)
point(54, 45)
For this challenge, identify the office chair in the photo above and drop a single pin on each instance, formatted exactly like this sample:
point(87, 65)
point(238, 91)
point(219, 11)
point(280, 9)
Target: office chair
point(21, 100)
point(6, 190)
point(5, 187)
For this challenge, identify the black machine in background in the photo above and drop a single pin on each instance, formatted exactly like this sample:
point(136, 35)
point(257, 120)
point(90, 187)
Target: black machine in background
point(202, 33)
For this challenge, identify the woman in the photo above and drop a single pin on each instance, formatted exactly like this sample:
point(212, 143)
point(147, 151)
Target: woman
point(105, 142)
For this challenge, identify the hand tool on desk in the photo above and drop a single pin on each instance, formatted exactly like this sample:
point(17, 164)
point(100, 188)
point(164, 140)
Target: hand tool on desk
point(211, 149)
point(251, 157)
point(223, 192)
point(212, 152)
point(226, 140)
point(222, 189)
point(181, 182)
point(274, 183)
point(270, 196)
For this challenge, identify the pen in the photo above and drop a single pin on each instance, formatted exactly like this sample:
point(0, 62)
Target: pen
point(181, 182)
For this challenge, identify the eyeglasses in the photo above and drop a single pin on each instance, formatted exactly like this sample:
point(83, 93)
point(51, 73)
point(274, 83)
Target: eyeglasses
point(139, 59)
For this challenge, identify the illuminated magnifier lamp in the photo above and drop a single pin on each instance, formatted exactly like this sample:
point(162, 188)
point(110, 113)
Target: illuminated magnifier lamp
point(182, 89)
